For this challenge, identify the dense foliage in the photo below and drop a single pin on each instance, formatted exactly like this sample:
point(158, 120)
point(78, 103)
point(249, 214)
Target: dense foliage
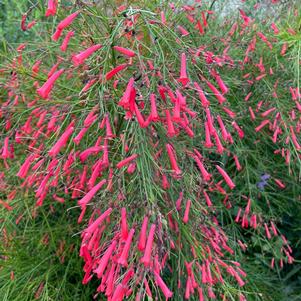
point(151, 150)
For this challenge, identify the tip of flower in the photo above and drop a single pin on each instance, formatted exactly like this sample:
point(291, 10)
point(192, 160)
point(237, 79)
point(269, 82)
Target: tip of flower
point(183, 80)
point(56, 35)
point(177, 174)
point(76, 61)
point(42, 93)
point(50, 12)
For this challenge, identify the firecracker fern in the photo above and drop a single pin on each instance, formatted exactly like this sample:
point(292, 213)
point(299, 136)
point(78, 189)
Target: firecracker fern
point(169, 133)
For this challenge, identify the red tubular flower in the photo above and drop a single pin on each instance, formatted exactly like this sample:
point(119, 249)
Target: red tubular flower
point(97, 167)
point(83, 55)
point(221, 99)
point(170, 127)
point(240, 132)
point(226, 177)
point(207, 199)
point(38, 164)
point(89, 151)
point(114, 71)
point(126, 161)
point(6, 205)
point(163, 18)
point(162, 91)
point(232, 272)
point(98, 221)
point(205, 102)
point(253, 221)
point(23, 22)
point(53, 69)
point(274, 229)
point(260, 77)
point(41, 118)
point(154, 114)
point(275, 28)
point(119, 293)
point(183, 31)
point(51, 9)
point(210, 121)
point(238, 215)
point(165, 290)
point(294, 139)
point(80, 135)
point(179, 201)
point(279, 183)
point(42, 188)
point(5, 152)
point(58, 199)
point(142, 123)
point(283, 49)
point(225, 133)
point(242, 297)
point(48, 85)
point(146, 259)
point(267, 231)
point(187, 129)
point(198, 153)
point(25, 167)
point(127, 277)
point(110, 280)
point(124, 226)
point(150, 65)
point(248, 96)
point(267, 112)
point(57, 34)
point(67, 21)
point(298, 105)
point(221, 84)
point(87, 86)
point(88, 197)
point(262, 124)
point(294, 96)
point(105, 157)
point(125, 252)
point(200, 27)
point(66, 40)
point(252, 115)
point(35, 67)
point(91, 117)
point(182, 101)
point(142, 237)
point(83, 177)
point(176, 170)
point(125, 51)
point(105, 259)
point(125, 100)
point(183, 73)
point(238, 166)
point(208, 142)
point(177, 111)
point(201, 295)
point(206, 176)
point(186, 213)
point(204, 19)
point(61, 142)
point(109, 133)
point(63, 24)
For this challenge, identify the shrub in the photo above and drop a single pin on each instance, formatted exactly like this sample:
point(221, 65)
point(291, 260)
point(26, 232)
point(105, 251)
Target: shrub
point(171, 132)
